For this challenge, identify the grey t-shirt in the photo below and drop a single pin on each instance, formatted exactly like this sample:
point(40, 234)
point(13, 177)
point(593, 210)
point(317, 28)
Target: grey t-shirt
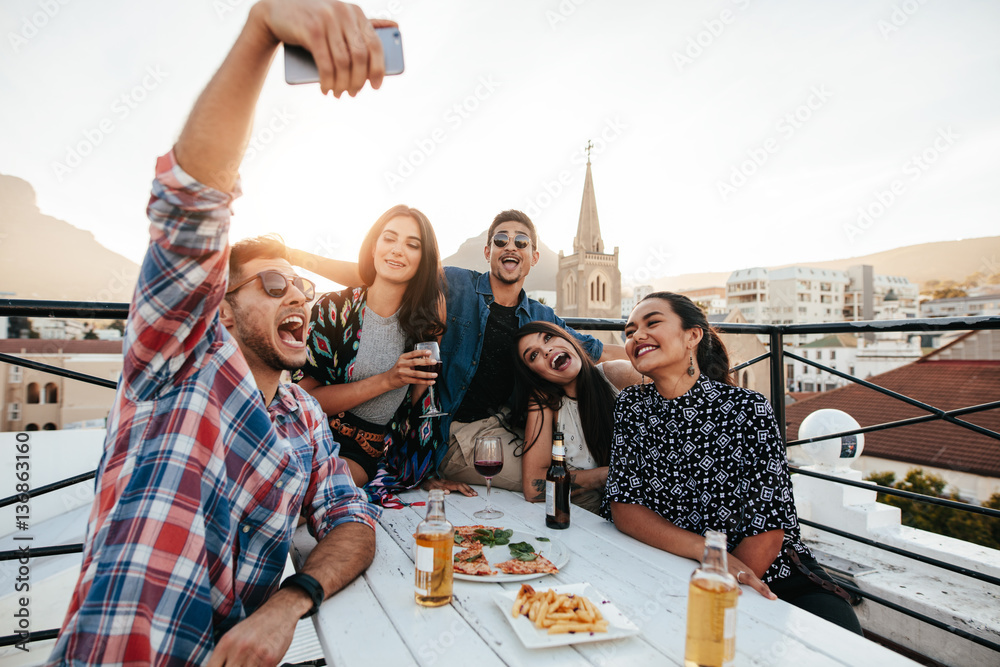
point(382, 341)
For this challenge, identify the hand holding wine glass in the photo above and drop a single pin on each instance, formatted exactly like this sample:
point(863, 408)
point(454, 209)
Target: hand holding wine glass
point(433, 365)
point(488, 459)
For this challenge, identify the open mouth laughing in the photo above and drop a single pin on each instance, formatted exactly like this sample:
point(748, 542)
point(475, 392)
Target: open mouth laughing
point(292, 330)
point(560, 361)
point(510, 262)
point(643, 349)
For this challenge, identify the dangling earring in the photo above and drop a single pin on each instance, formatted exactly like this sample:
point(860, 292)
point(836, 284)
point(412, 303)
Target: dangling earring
point(691, 364)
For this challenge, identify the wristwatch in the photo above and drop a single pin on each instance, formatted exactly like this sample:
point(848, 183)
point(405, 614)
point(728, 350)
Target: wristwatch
point(307, 583)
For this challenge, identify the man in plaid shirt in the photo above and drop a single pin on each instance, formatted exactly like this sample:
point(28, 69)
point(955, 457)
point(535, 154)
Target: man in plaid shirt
point(209, 459)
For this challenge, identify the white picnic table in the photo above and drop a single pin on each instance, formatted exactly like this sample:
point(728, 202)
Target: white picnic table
point(375, 620)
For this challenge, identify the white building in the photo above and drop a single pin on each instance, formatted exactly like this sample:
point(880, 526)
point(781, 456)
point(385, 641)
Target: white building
point(965, 306)
point(53, 329)
point(849, 354)
point(800, 294)
point(639, 293)
point(871, 296)
point(746, 290)
point(548, 297)
point(712, 299)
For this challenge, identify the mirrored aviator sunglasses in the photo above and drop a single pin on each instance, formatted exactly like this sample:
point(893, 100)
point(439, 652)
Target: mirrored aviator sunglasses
point(275, 284)
point(521, 241)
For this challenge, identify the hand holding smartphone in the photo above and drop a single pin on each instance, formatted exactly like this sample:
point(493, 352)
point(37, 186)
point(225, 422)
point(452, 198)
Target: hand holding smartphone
point(301, 68)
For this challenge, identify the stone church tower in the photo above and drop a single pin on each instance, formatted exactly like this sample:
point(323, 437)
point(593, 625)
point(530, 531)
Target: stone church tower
point(589, 282)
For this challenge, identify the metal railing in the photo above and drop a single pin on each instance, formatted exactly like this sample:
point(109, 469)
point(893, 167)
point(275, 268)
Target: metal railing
point(776, 356)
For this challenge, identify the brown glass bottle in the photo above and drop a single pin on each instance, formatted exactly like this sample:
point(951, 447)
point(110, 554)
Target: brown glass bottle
point(557, 486)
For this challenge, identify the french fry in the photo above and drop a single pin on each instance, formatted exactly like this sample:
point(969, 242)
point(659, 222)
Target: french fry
point(569, 626)
point(558, 613)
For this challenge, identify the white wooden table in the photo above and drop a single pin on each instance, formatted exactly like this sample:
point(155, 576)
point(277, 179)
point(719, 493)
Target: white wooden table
point(376, 621)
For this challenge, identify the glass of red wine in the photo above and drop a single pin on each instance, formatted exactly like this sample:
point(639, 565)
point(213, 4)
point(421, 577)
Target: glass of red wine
point(488, 459)
point(434, 366)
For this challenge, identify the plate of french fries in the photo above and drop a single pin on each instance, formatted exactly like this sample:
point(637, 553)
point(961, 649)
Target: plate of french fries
point(560, 615)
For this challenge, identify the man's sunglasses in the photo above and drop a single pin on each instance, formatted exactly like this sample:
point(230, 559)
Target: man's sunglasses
point(501, 239)
point(276, 283)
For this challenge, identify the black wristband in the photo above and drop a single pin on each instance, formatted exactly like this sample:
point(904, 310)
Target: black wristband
point(313, 589)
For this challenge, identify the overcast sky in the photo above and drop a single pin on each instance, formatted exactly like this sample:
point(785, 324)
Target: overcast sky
point(727, 134)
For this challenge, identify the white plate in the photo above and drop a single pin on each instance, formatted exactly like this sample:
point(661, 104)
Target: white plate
point(618, 625)
point(552, 550)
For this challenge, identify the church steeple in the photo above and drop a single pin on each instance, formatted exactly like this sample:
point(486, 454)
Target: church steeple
point(588, 231)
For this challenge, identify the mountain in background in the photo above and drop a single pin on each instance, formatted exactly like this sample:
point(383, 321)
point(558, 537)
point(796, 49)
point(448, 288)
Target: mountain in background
point(941, 260)
point(42, 257)
point(46, 258)
point(470, 256)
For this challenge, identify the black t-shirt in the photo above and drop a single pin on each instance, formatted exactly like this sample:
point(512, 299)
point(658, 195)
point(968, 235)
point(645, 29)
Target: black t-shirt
point(493, 382)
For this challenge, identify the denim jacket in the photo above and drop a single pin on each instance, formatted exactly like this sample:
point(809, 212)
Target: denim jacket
point(469, 297)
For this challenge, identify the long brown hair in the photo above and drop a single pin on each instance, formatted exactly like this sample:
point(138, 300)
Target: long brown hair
point(713, 359)
point(594, 395)
point(419, 314)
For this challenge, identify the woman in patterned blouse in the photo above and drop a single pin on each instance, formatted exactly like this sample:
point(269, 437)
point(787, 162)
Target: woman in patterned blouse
point(361, 365)
point(693, 453)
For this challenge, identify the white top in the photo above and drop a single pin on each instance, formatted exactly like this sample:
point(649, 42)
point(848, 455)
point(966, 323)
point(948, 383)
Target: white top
point(568, 422)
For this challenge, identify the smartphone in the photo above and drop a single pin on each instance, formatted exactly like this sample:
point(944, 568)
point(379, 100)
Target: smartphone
point(301, 68)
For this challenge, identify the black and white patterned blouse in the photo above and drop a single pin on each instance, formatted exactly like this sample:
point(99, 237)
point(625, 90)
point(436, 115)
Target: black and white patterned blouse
point(712, 459)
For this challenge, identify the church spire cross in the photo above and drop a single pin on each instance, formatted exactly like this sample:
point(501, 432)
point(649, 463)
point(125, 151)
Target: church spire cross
point(590, 144)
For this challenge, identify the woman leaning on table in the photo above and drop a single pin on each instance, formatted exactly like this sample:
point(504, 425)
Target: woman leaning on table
point(692, 453)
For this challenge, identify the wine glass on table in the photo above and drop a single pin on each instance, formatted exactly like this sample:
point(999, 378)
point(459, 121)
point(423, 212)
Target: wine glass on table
point(434, 366)
point(488, 459)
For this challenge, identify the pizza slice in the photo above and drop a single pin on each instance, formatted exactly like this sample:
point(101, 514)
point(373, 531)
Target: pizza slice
point(472, 561)
point(540, 565)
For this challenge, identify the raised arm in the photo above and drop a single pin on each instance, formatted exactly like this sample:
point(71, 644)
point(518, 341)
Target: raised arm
point(341, 40)
point(613, 352)
point(339, 271)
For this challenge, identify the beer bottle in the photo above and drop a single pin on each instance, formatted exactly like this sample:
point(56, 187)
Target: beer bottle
point(557, 486)
point(711, 620)
point(435, 539)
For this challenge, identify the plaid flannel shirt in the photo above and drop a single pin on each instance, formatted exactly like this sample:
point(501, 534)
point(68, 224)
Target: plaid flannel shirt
point(200, 485)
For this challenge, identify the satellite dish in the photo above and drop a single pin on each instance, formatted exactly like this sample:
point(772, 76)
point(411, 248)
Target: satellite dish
point(832, 453)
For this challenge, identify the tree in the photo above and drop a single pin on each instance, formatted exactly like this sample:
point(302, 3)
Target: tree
point(949, 293)
point(967, 526)
point(118, 325)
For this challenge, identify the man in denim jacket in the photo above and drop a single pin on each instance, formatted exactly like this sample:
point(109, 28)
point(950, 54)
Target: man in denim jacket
point(485, 310)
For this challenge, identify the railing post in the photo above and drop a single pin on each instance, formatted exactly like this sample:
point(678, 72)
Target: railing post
point(778, 377)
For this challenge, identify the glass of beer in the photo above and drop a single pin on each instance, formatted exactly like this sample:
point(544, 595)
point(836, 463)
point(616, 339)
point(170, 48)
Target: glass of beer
point(434, 366)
